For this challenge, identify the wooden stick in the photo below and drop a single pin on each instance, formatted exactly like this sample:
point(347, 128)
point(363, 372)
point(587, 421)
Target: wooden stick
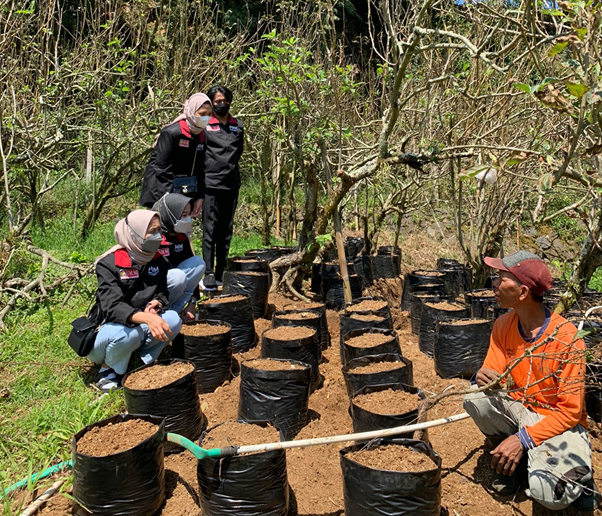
point(40, 501)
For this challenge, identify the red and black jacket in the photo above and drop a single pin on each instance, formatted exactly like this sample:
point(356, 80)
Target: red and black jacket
point(224, 146)
point(175, 248)
point(125, 288)
point(177, 153)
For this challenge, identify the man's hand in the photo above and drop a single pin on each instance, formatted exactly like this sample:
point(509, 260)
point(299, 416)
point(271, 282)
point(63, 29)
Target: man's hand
point(197, 208)
point(154, 307)
point(507, 455)
point(158, 327)
point(486, 376)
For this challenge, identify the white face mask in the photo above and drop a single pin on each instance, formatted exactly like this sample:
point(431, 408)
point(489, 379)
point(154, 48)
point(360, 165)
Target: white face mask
point(183, 226)
point(201, 121)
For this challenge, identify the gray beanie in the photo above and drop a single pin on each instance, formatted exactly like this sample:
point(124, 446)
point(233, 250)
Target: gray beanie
point(170, 208)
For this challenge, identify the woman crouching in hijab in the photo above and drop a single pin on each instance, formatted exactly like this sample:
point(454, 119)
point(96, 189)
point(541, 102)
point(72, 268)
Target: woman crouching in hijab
point(186, 269)
point(132, 297)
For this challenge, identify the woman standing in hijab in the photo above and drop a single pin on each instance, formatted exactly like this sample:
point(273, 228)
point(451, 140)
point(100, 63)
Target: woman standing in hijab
point(132, 299)
point(177, 163)
point(186, 269)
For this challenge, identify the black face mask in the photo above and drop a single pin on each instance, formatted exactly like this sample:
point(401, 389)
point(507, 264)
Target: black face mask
point(221, 109)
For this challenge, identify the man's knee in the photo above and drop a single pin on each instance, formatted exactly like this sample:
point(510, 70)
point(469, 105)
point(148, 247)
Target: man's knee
point(552, 492)
point(475, 403)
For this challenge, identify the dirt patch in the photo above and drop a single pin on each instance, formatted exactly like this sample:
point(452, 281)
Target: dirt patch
point(181, 486)
point(219, 300)
point(115, 438)
point(388, 402)
point(483, 293)
point(239, 434)
point(393, 458)
point(290, 333)
point(157, 376)
point(377, 367)
point(434, 274)
point(303, 306)
point(368, 318)
point(299, 316)
point(444, 305)
point(203, 330)
point(267, 364)
point(464, 322)
point(367, 306)
point(251, 273)
point(368, 340)
point(250, 260)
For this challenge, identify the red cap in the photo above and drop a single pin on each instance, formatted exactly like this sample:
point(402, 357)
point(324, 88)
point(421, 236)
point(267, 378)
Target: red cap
point(528, 268)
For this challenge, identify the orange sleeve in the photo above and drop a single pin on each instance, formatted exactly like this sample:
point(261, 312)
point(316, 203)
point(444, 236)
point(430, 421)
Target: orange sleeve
point(496, 358)
point(570, 397)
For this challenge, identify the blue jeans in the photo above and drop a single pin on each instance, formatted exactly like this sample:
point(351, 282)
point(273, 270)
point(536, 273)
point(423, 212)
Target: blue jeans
point(115, 343)
point(182, 280)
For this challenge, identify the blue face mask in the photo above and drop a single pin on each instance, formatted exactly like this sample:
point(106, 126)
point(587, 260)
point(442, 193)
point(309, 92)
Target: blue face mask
point(152, 243)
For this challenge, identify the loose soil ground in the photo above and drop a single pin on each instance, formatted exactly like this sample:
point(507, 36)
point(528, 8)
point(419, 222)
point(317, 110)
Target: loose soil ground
point(393, 458)
point(203, 329)
point(434, 274)
point(219, 300)
point(369, 318)
point(388, 402)
point(463, 322)
point(367, 306)
point(157, 376)
point(251, 273)
point(299, 316)
point(115, 438)
point(444, 305)
point(239, 434)
point(369, 340)
point(377, 367)
point(483, 293)
point(267, 364)
point(289, 333)
point(303, 306)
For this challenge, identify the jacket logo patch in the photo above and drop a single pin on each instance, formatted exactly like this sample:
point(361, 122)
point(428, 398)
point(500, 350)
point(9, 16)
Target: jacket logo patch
point(178, 248)
point(153, 270)
point(234, 128)
point(128, 274)
point(184, 143)
point(212, 128)
point(164, 251)
point(200, 147)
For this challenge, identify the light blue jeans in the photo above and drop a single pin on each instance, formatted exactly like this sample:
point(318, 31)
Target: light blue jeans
point(182, 280)
point(115, 343)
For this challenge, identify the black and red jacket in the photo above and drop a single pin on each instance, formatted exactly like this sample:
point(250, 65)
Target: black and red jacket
point(177, 152)
point(224, 146)
point(125, 288)
point(176, 248)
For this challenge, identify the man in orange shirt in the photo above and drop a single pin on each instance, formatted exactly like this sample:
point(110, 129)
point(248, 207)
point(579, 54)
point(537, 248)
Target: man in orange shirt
point(541, 410)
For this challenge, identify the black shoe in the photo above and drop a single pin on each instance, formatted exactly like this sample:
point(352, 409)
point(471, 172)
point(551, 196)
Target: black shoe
point(208, 283)
point(589, 499)
point(108, 381)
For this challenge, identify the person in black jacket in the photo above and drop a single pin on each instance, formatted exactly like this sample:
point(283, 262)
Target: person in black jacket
point(224, 147)
point(186, 269)
point(132, 297)
point(177, 161)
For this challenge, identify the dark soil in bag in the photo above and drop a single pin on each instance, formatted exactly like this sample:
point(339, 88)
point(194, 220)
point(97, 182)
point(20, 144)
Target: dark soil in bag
point(370, 341)
point(376, 407)
point(392, 476)
point(416, 307)
point(415, 278)
point(248, 263)
point(208, 345)
point(369, 305)
point(319, 308)
point(276, 391)
point(118, 470)
point(302, 318)
point(298, 343)
point(237, 311)
point(460, 347)
point(433, 312)
point(167, 389)
point(246, 485)
point(377, 370)
point(254, 284)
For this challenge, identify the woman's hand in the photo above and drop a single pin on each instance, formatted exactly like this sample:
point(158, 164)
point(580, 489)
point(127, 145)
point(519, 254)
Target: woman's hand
point(197, 208)
point(154, 307)
point(158, 327)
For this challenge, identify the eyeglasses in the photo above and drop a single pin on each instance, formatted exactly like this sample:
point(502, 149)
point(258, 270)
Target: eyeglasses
point(494, 274)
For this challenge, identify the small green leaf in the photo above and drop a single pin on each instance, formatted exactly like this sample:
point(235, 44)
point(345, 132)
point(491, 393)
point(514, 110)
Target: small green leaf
point(581, 33)
point(582, 333)
point(522, 86)
point(557, 48)
point(576, 90)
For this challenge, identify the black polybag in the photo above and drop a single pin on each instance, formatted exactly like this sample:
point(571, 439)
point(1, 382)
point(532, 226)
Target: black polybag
point(369, 491)
point(245, 485)
point(280, 397)
point(418, 300)
point(333, 292)
point(269, 255)
point(238, 314)
point(366, 421)
point(389, 250)
point(248, 263)
point(460, 350)
point(479, 304)
point(211, 356)
point(415, 278)
point(384, 312)
point(387, 265)
point(447, 263)
point(319, 308)
point(177, 402)
point(281, 318)
point(355, 381)
point(364, 268)
point(453, 281)
point(129, 483)
point(254, 284)
point(353, 246)
point(350, 321)
point(429, 317)
point(304, 350)
point(390, 347)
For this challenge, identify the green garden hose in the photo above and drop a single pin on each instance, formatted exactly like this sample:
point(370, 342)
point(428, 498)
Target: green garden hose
point(68, 464)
